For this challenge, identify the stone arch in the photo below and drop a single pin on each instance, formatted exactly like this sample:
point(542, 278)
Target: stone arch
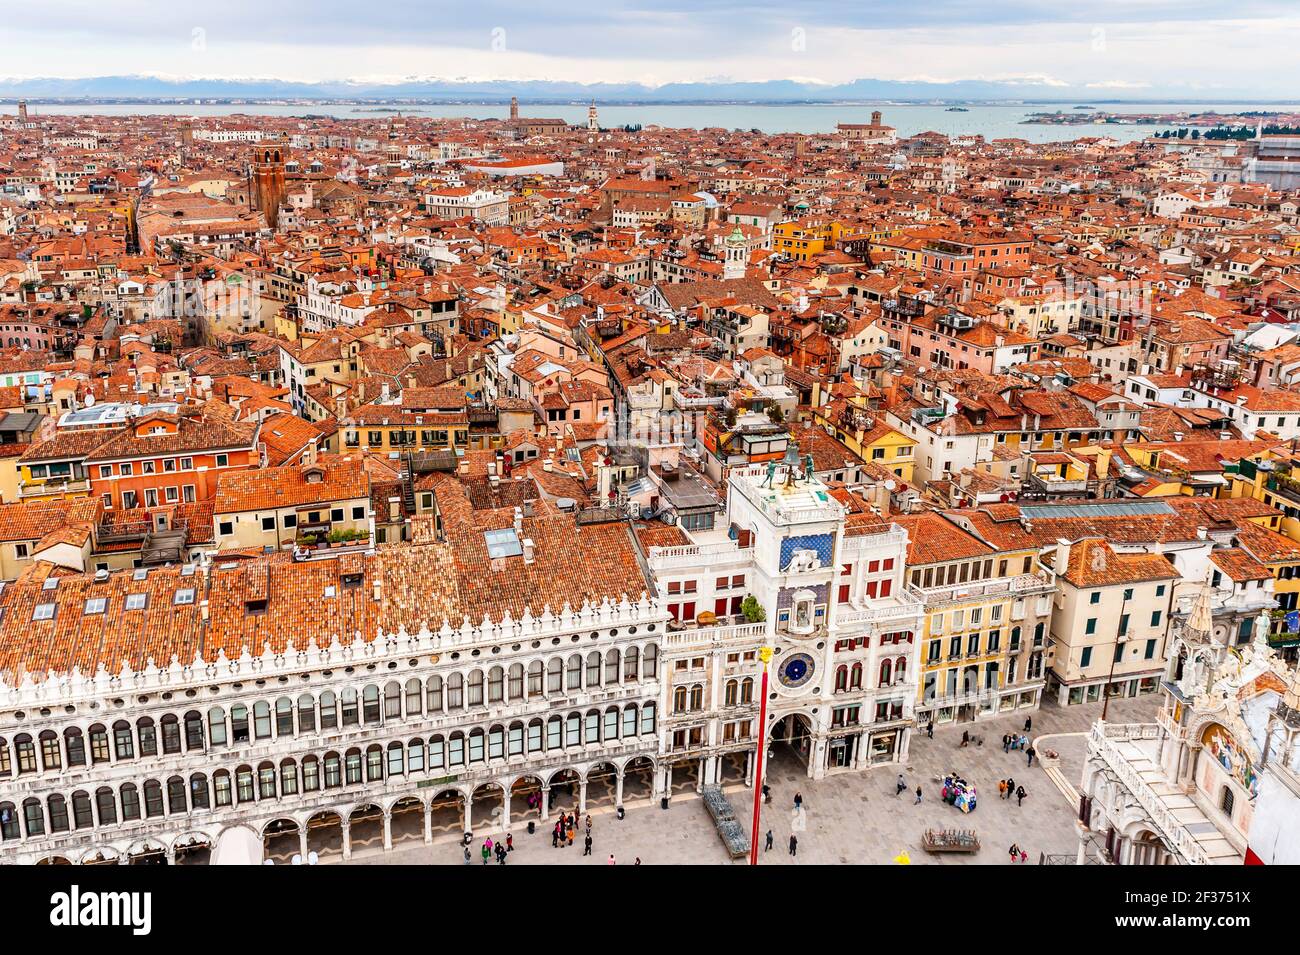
point(487, 806)
point(325, 833)
point(148, 851)
point(100, 855)
point(406, 815)
point(193, 847)
point(282, 839)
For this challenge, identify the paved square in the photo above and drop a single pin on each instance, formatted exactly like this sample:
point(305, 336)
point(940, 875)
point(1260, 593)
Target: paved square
point(851, 818)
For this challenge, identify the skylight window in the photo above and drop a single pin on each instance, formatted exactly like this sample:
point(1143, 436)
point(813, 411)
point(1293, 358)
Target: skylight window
point(503, 543)
point(50, 583)
point(136, 601)
point(43, 611)
point(95, 605)
point(184, 596)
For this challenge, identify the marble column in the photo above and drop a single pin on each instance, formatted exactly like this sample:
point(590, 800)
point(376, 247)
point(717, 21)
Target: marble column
point(388, 831)
point(347, 840)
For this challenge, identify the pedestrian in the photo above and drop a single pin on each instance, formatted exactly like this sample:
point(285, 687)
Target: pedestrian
point(501, 854)
point(1006, 742)
point(767, 794)
point(794, 844)
point(486, 852)
point(1002, 789)
point(571, 831)
point(929, 729)
point(488, 842)
point(555, 836)
point(586, 845)
point(1029, 723)
point(918, 796)
point(1024, 856)
point(510, 842)
point(901, 785)
point(467, 855)
point(637, 861)
point(588, 822)
point(798, 800)
point(1020, 795)
point(767, 846)
point(1031, 752)
point(1014, 852)
point(611, 860)
point(1011, 788)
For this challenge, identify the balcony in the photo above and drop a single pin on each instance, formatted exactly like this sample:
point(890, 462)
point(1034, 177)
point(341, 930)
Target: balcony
point(901, 608)
point(662, 559)
point(54, 488)
point(1022, 585)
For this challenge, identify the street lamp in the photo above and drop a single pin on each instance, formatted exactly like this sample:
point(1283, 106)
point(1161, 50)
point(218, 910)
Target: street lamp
point(1121, 632)
point(764, 654)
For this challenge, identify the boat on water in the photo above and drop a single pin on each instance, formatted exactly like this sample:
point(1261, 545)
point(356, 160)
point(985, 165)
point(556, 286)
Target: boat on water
point(956, 109)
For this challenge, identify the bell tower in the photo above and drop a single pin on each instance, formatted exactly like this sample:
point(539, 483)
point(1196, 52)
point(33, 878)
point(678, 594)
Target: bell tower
point(514, 109)
point(266, 183)
point(733, 267)
point(22, 111)
point(593, 124)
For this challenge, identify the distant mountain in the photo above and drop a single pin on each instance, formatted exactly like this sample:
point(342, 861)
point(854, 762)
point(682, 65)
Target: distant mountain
point(556, 91)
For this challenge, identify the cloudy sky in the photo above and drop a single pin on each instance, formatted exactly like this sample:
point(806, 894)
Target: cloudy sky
point(1124, 46)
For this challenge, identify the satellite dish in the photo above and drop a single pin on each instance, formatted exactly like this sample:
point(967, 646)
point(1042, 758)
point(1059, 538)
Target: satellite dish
point(890, 485)
point(90, 401)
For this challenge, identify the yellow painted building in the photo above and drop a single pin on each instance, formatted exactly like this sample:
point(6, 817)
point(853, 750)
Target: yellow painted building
point(985, 647)
point(804, 238)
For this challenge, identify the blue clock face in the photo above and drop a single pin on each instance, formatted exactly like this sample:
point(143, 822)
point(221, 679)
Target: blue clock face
point(796, 671)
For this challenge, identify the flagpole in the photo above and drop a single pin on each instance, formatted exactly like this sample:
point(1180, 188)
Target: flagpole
point(764, 654)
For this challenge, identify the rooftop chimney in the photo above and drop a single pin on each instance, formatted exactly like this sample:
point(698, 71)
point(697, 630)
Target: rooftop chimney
point(528, 550)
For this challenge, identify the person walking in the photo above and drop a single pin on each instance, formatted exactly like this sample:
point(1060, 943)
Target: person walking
point(929, 729)
point(1011, 788)
point(1002, 789)
point(486, 852)
point(510, 842)
point(767, 845)
point(1014, 852)
point(586, 845)
point(965, 738)
point(467, 855)
point(1006, 742)
point(1029, 723)
point(637, 861)
point(901, 785)
point(588, 823)
point(918, 796)
point(571, 832)
point(794, 844)
point(798, 800)
point(1020, 795)
point(611, 860)
point(1030, 753)
point(555, 836)
point(767, 794)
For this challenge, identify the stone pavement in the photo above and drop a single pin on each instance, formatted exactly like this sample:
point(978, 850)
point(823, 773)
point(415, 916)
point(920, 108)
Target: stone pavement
point(853, 817)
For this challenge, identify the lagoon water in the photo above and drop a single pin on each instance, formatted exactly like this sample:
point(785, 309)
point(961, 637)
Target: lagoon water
point(991, 121)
